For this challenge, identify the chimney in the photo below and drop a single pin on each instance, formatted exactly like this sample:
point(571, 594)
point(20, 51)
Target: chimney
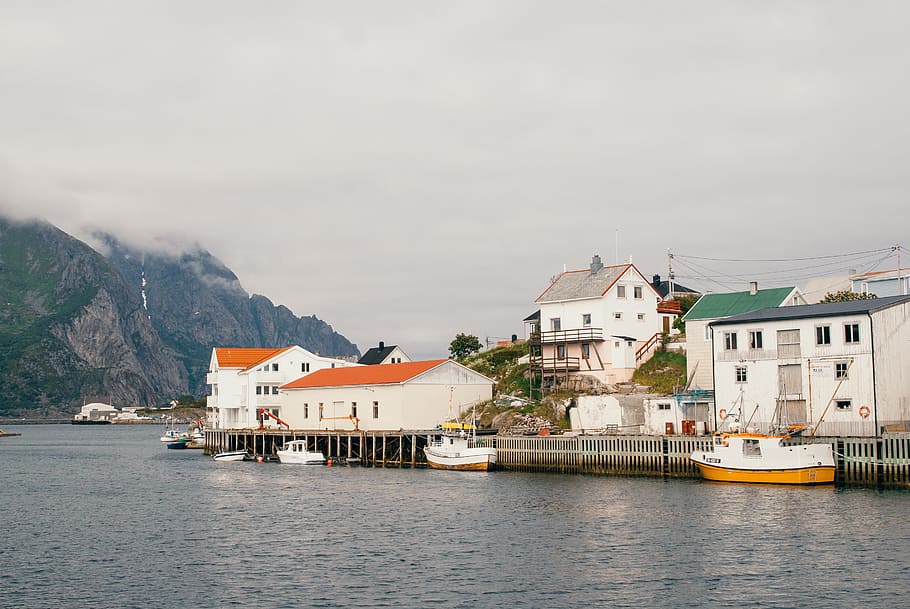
point(596, 264)
point(753, 288)
point(655, 280)
point(381, 345)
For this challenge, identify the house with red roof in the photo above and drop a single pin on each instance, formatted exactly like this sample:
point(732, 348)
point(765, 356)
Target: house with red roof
point(599, 322)
point(244, 380)
point(410, 395)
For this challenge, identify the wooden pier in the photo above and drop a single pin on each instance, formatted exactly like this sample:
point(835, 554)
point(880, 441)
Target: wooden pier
point(876, 462)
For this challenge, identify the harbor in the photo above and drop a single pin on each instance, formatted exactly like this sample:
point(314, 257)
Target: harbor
point(882, 462)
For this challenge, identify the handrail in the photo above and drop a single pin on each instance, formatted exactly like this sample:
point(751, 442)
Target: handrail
point(647, 346)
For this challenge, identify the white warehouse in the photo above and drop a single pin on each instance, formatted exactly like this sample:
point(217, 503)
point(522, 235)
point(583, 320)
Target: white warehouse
point(840, 366)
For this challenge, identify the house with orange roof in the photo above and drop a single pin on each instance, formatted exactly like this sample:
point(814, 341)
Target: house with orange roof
point(599, 322)
point(244, 380)
point(410, 395)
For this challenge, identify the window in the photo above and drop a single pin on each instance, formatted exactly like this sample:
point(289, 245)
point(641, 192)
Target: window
point(663, 405)
point(275, 367)
point(274, 389)
point(585, 350)
point(617, 315)
point(641, 317)
point(560, 352)
point(375, 410)
point(305, 367)
point(353, 409)
point(321, 410)
point(822, 335)
point(620, 291)
point(788, 343)
point(751, 448)
point(636, 291)
point(851, 333)
point(755, 339)
point(741, 374)
point(585, 319)
point(730, 341)
point(843, 404)
point(258, 389)
point(306, 410)
point(840, 370)
point(555, 324)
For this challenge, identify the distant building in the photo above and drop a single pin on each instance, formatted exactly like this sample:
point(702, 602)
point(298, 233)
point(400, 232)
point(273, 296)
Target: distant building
point(846, 362)
point(245, 380)
point(894, 282)
point(711, 307)
point(410, 395)
point(663, 287)
point(383, 354)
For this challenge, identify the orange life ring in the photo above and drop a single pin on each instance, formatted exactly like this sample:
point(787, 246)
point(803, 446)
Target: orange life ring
point(722, 413)
point(864, 411)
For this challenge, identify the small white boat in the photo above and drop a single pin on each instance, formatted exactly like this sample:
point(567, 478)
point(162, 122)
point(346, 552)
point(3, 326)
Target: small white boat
point(173, 435)
point(232, 455)
point(296, 452)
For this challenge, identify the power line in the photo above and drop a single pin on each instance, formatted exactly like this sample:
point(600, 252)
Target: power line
point(879, 251)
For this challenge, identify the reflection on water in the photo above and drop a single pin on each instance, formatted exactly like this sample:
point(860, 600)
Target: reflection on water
point(106, 517)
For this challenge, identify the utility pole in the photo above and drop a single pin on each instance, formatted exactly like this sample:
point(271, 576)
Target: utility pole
point(670, 274)
point(900, 278)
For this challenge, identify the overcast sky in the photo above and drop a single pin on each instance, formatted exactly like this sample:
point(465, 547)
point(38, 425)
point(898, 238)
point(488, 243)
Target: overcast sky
point(409, 170)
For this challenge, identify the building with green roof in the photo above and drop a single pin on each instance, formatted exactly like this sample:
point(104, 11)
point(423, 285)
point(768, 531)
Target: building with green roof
point(711, 307)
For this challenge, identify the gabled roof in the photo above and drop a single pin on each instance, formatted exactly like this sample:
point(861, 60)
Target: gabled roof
point(535, 316)
point(829, 309)
point(576, 285)
point(716, 306)
point(387, 374)
point(376, 355)
point(233, 357)
point(663, 288)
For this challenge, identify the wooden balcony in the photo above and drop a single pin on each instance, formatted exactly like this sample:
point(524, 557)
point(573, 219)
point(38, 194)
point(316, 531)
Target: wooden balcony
point(555, 364)
point(575, 335)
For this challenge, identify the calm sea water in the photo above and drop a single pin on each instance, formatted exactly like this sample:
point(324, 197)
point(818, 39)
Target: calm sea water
point(107, 517)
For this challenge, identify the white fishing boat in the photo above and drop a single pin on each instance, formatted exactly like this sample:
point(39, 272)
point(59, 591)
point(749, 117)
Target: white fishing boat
point(174, 435)
point(297, 453)
point(457, 447)
point(747, 455)
point(231, 455)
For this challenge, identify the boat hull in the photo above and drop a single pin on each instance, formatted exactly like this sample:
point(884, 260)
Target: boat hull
point(804, 475)
point(481, 460)
point(236, 455)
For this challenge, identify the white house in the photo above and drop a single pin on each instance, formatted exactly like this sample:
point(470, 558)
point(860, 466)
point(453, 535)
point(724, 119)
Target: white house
point(711, 307)
point(245, 380)
point(600, 322)
point(843, 363)
point(411, 395)
point(383, 354)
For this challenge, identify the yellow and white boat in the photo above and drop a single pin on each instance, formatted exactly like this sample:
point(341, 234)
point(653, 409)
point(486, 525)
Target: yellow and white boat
point(764, 459)
point(458, 448)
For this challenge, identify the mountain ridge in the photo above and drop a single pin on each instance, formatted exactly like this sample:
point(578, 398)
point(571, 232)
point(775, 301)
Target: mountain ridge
point(118, 321)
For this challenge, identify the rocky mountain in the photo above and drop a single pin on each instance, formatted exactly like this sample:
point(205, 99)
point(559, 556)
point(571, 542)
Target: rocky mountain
point(134, 326)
